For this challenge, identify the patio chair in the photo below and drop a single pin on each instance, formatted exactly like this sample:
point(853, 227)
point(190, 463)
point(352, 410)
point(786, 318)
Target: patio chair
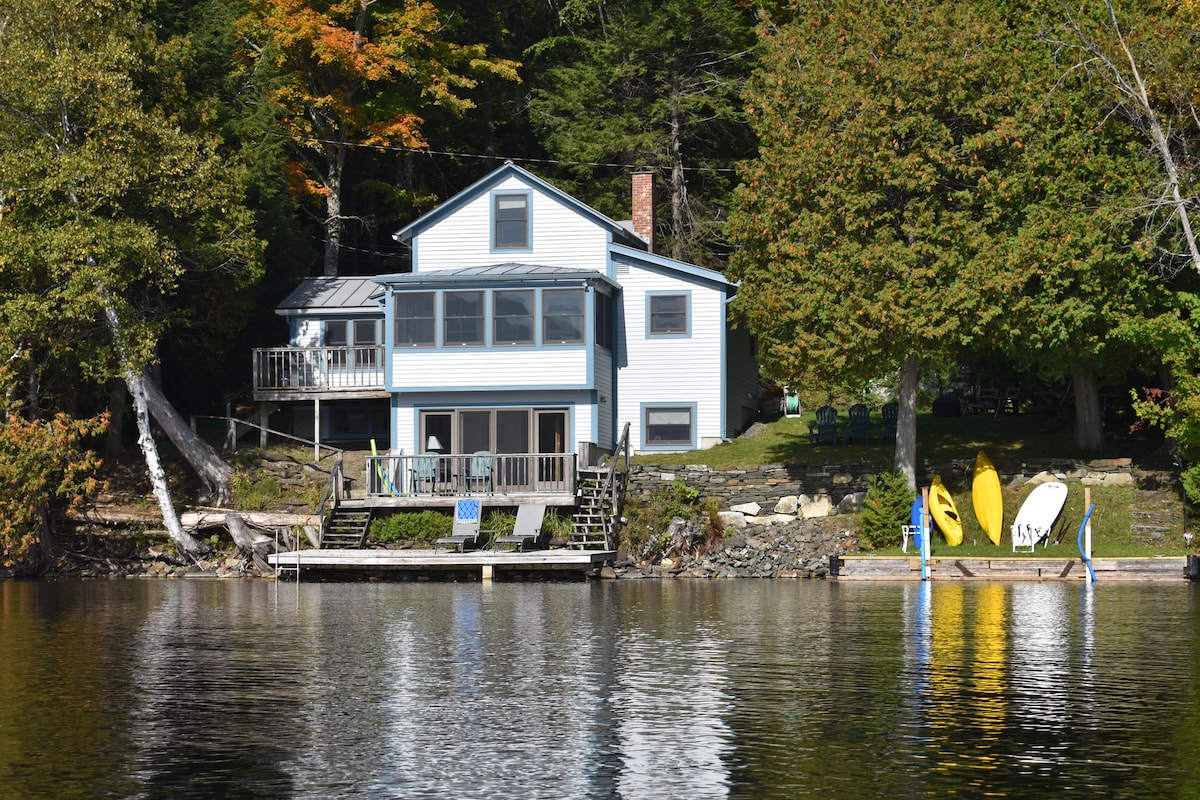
point(986, 402)
point(527, 531)
point(479, 472)
point(826, 428)
point(468, 514)
point(425, 469)
point(887, 425)
point(860, 423)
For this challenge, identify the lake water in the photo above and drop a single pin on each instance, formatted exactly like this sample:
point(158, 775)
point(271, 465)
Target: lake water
point(621, 689)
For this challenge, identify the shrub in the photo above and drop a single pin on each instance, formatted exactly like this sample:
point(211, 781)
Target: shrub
point(411, 526)
point(887, 506)
point(647, 532)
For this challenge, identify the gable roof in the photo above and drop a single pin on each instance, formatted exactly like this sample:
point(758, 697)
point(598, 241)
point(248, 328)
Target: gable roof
point(618, 231)
point(323, 294)
point(671, 265)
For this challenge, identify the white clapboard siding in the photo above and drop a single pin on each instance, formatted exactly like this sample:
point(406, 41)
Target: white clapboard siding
point(672, 370)
point(423, 370)
point(561, 236)
point(308, 332)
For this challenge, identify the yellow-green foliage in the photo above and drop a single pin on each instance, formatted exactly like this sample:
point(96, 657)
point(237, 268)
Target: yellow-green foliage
point(42, 464)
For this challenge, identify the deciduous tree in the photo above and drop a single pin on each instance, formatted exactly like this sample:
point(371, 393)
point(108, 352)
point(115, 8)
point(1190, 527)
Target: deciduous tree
point(358, 71)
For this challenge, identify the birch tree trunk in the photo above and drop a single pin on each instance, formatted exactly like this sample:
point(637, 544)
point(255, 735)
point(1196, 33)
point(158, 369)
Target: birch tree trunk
point(158, 476)
point(906, 422)
point(212, 470)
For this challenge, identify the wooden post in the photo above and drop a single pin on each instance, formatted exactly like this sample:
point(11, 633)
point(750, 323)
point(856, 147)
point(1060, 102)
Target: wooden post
point(264, 416)
point(316, 429)
point(486, 573)
point(1087, 528)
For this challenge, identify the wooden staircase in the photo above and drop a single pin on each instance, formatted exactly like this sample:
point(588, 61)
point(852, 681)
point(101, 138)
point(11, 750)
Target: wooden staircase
point(346, 528)
point(593, 520)
point(601, 492)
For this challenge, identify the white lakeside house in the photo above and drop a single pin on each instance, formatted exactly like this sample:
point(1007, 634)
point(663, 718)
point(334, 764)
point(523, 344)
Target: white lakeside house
point(530, 325)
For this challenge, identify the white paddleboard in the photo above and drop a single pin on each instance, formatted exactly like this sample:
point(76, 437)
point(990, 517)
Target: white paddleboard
point(1038, 513)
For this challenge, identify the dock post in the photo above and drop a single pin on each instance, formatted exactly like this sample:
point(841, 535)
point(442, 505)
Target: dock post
point(486, 574)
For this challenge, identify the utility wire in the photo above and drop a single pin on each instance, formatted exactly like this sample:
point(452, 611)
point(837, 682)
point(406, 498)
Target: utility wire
point(558, 162)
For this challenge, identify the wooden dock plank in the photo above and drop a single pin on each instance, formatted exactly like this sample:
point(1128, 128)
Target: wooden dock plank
point(1010, 569)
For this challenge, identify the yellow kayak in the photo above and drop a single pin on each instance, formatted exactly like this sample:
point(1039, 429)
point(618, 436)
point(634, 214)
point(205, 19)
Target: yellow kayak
point(941, 508)
point(986, 497)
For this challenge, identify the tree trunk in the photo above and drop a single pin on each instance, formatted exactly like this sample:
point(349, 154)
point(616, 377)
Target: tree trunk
point(158, 476)
point(1089, 417)
point(333, 211)
point(680, 235)
point(212, 470)
point(906, 422)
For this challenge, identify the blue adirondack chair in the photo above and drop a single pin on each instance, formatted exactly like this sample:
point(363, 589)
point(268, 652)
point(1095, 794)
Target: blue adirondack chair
point(826, 428)
point(887, 427)
point(859, 426)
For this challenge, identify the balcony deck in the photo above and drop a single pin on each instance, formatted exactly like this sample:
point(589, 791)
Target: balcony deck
point(295, 373)
point(433, 480)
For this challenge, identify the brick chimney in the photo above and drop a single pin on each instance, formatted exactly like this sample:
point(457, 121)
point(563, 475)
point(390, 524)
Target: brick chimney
point(643, 206)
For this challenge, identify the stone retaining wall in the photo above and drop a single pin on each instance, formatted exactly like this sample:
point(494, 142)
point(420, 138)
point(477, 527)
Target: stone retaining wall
point(820, 490)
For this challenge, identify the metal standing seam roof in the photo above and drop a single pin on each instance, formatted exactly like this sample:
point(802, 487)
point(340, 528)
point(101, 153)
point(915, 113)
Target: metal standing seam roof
point(315, 295)
point(508, 271)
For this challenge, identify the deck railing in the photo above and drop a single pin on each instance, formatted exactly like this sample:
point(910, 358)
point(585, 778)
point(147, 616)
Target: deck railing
point(433, 475)
point(318, 369)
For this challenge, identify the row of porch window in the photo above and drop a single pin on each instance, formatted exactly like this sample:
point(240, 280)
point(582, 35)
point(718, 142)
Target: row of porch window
point(514, 313)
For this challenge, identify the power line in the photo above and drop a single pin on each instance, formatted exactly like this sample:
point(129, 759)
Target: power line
point(556, 162)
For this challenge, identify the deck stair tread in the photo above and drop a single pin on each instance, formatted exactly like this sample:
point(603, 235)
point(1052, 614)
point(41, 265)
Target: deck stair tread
point(346, 529)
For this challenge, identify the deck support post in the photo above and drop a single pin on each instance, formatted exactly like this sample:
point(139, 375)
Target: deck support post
point(317, 429)
point(486, 573)
point(264, 417)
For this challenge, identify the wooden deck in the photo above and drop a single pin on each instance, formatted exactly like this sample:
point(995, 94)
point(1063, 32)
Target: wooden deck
point(485, 564)
point(867, 568)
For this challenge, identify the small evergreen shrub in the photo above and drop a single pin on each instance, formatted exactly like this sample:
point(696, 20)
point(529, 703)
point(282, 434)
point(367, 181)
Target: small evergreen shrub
point(410, 526)
point(888, 506)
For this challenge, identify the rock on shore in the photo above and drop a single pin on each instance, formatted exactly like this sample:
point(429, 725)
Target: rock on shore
point(795, 548)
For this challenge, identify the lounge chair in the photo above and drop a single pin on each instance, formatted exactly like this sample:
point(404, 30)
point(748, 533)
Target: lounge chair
point(826, 428)
point(527, 531)
point(468, 513)
point(860, 423)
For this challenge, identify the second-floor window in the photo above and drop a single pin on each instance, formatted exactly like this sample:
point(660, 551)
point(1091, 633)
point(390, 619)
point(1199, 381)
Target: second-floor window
point(416, 319)
point(510, 221)
point(512, 313)
point(668, 314)
point(562, 316)
point(464, 314)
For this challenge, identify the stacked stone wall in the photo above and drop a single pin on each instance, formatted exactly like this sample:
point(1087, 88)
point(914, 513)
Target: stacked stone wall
point(831, 484)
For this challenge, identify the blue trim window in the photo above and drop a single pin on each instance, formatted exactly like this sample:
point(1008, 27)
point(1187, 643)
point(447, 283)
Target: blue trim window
point(513, 317)
point(669, 426)
point(510, 221)
point(604, 320)
point(463, 314)
point(337, 335)
point(416, 319)
point(563, 316)
point(667, 315)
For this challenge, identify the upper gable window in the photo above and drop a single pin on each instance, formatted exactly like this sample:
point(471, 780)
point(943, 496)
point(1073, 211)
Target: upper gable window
point(510, 221)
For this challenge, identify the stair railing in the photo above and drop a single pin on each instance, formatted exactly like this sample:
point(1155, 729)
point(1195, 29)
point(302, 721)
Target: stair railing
point(331, 497)
point(612, 491)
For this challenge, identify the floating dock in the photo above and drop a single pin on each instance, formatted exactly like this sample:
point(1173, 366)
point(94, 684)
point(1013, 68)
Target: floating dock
point(483, 565)
point(948, 568)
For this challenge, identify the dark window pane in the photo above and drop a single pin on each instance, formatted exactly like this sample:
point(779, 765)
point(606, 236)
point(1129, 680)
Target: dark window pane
point(510, 214)
point(668, 314)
